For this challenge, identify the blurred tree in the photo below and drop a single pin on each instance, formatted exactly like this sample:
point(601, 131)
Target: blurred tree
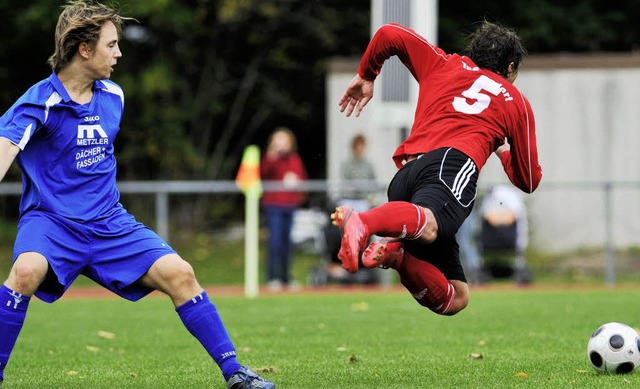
point(547, 25)
point(202, 78)
point(206, 78)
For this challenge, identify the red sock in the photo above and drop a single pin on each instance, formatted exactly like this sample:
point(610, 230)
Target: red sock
point(396, 219)
point(427, 284)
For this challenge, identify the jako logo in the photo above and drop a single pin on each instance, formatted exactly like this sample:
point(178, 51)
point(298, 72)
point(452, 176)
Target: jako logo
point(92, 134)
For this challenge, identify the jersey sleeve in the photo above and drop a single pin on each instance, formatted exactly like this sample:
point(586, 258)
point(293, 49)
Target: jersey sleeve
point(521, 161)
point(20, 122)
point(415, 52)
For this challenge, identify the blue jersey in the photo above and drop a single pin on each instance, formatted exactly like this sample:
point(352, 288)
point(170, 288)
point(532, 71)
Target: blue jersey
point(67, 162)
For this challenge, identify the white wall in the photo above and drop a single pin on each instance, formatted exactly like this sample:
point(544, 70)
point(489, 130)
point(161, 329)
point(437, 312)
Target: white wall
point(588, 128)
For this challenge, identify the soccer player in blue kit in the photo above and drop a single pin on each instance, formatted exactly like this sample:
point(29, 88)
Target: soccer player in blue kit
point(61, 134)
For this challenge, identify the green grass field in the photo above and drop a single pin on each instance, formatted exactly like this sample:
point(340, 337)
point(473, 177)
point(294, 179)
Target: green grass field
point(507, 338)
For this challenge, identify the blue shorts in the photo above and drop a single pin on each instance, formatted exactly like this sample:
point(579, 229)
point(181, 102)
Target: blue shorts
point(114, 252)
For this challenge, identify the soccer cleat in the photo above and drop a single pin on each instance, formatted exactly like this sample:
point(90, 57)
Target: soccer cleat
point(355, 235)
point(246, 378)
point(384, 253)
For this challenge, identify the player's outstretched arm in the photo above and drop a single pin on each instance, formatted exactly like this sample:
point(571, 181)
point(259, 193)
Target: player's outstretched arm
point(8, 152)
point(356, 96)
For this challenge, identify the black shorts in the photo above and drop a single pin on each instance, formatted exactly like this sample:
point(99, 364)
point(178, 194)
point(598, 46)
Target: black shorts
point(445, 181)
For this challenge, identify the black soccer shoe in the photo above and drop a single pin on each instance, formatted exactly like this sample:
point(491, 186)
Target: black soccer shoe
point(246, 378)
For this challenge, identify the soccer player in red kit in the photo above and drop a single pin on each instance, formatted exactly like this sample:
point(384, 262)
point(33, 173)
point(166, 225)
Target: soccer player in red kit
point(468, 108)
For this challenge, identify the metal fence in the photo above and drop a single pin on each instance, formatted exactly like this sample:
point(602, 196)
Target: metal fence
point(161, 190)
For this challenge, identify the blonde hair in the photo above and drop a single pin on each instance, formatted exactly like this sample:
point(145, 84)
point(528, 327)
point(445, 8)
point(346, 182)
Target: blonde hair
point(287, 131)
point(80, 22)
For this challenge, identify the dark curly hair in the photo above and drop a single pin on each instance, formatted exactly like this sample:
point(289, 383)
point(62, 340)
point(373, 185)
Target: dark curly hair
point(495, 47)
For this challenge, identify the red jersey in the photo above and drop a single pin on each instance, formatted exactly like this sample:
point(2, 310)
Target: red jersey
point(288, 169)
point(459, 105)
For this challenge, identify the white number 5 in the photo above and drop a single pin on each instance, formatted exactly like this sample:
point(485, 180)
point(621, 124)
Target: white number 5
point(482, 100)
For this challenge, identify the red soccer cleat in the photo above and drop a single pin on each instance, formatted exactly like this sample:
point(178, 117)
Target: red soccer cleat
point(384, 253)
point(355, 235)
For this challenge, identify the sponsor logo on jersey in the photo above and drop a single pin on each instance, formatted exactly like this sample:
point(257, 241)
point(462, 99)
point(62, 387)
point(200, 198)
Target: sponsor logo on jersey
point(92, 134)
point(96, 137)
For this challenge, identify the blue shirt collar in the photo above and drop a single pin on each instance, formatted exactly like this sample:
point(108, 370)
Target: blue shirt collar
point(57, 85)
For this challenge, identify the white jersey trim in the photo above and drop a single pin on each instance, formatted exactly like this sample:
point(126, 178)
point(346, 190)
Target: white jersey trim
point(54, 99)
point(25, 137)
point(115, 89)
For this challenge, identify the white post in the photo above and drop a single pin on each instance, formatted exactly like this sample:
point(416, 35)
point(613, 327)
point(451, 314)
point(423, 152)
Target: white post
point(252, 200)
point(248, 180)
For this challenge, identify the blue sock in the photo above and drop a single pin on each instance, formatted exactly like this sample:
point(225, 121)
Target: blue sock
point(201, 318)
point(13, 310)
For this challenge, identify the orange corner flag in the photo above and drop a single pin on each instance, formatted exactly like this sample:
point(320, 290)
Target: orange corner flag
point(248, 178)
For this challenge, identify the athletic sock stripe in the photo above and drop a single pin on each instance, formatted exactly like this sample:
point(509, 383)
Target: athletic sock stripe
point(451, 294)
point(422, 224)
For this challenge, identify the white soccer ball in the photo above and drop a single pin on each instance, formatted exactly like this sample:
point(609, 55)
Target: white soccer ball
point(614, 348)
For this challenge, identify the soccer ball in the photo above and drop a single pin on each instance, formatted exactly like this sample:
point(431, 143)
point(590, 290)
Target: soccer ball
point(614, 348)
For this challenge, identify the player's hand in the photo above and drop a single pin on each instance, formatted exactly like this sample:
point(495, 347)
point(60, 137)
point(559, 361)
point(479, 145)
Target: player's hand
point(503, 147)
point(356, 96)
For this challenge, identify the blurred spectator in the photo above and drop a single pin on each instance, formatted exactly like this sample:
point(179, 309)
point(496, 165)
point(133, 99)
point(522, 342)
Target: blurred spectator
point(358, 171)
point(281, 162)
point(469, 253)
point(504, 230)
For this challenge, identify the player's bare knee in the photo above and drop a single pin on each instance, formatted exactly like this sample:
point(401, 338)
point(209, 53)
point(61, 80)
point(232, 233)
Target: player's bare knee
point(170, 274)
point(182, 275)
point(430, 234)
point(183, 284)
point(459, 303)
point(27, 275)
point(461, 298)
point(431, 230)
